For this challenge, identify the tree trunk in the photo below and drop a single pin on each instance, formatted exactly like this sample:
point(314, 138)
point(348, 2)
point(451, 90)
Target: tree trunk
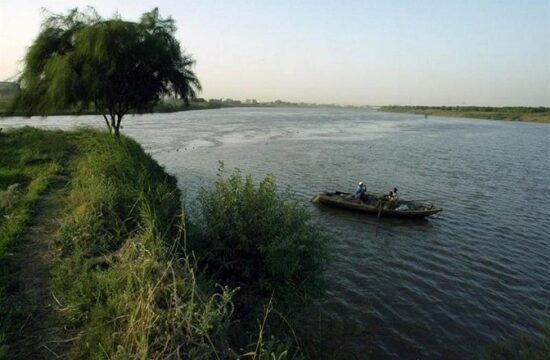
point(113, 123)
point(116, 125)
point(108, 125)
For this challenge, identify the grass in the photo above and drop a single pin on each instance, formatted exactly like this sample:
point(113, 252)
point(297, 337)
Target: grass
point(125, 276)
point(29, 162)
point(145, 300)
point(529, 114)
point(121, 281)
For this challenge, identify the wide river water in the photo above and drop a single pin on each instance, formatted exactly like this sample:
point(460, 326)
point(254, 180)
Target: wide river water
point(445, 287)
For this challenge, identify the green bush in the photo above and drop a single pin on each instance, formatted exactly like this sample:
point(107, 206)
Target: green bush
point(260, 241)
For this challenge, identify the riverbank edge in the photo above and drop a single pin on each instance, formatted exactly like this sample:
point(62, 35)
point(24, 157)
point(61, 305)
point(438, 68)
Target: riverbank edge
point(493, 115)
point(121, 279)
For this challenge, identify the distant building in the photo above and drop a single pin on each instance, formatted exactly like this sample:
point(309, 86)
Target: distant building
point(250, 101)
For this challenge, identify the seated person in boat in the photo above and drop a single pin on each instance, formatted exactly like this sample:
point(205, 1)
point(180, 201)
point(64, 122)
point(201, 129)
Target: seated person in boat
point(361, 191)
point(395, 194)
point(390, 200)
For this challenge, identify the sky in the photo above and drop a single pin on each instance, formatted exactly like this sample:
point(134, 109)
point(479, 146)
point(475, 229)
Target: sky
point(494, 53)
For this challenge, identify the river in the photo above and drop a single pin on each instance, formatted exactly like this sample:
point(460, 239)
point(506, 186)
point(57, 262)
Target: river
point(445, 287)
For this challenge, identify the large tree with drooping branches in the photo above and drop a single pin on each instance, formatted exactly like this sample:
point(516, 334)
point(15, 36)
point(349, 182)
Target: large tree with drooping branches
point(81, 60)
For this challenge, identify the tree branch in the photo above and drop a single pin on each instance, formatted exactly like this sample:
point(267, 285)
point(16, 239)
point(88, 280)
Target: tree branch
point(108, 125)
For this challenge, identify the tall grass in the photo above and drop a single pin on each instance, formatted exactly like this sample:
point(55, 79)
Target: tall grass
point(126, 291)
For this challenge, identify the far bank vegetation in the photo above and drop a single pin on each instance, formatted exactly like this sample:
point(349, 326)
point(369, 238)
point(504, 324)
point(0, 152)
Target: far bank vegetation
point(512, 113)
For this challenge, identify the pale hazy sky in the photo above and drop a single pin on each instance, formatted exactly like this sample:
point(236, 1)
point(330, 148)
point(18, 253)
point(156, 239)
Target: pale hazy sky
point(350, 52)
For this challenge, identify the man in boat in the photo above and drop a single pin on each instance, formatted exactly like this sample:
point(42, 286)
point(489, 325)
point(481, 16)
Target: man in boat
point(389, 200)
point(361, 191)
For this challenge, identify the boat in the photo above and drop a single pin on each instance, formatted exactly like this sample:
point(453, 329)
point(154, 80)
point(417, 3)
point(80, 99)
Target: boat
point(374, 205)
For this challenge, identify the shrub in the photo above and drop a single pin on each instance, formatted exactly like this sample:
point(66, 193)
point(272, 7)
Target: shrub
point(259, 240)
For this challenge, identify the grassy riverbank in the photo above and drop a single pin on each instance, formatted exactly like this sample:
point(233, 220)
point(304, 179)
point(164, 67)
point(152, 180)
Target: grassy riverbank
point(113, 279)
point(528, 114)
point(96, 262)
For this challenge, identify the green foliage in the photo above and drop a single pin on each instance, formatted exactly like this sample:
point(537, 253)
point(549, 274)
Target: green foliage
point(173, 105)
point(29, 163)
point(8, 91)
point(123, 280)
point(259, 240)
point(119, 66)
point(535, 114)
point(124, 288)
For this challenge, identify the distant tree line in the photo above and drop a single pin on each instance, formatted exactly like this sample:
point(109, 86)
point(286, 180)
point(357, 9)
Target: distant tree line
point(518, 109)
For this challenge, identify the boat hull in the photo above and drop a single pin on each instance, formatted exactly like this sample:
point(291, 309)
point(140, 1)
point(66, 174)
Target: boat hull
point(346, 201)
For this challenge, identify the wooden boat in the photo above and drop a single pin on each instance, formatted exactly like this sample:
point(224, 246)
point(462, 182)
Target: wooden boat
point(376, 206)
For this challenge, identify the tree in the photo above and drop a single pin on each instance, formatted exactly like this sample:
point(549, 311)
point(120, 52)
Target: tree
point(81, 60)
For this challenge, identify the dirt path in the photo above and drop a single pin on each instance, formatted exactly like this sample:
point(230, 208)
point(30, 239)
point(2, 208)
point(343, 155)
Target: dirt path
point(39, 334)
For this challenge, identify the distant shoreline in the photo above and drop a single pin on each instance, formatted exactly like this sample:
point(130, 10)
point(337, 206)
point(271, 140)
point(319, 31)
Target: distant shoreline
point(524, 114)
point(171, 106)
